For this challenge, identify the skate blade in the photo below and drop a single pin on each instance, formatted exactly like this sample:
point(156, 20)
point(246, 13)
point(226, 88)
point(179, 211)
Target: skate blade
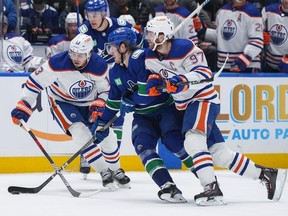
point(85, 176)
point(215, 201)
point(123, 186)
point(178, 198)
point(111, 186)
point(280, 182)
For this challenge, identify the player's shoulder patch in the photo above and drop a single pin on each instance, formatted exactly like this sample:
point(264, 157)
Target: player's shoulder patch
point(137, 53)
point(83, 29)
point(121, 22)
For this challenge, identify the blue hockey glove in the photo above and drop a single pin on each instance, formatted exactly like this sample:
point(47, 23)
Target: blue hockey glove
point(97, 129)
point(283, 64)
point(172, 87)
point(22, 111)
point(126, 105)
point(154, 81)
point(241, 63)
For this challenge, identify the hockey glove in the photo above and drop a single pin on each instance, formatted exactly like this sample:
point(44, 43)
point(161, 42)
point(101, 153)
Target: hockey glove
point(96, 109)
point(283, 64)
point(266, 38)
point(126, 105)
point(200, 27)
point(97, 130)
point(22, 111)
point(154, 81)
point(173, 86)
point(241, 63)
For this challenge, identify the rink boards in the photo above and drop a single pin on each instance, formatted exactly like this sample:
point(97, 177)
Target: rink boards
point(253, 121)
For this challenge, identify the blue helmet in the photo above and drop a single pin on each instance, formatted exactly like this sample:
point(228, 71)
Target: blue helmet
point(96, 5)
point(122, 34)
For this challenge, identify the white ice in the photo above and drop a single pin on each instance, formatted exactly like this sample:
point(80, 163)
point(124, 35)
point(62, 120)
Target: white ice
point(243, 196)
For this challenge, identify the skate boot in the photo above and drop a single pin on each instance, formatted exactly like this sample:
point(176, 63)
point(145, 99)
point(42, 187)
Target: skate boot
point(84, 167)
point(212, 196)
point(274, 181)
point(170, 193)
point(121, 179)
point(107, 179)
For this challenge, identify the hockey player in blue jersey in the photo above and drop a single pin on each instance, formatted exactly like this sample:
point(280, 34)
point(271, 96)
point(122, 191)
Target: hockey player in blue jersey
point(178, 60)
point(154, 117)
point(77, 87)
point(98, 26)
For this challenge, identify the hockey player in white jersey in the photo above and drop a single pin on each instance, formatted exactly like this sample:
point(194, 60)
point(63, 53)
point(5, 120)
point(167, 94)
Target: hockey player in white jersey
point(60, 43)
point(275, 19)
point(77, 88)
point(17, 53)
point(179, 60)
point(239, 33)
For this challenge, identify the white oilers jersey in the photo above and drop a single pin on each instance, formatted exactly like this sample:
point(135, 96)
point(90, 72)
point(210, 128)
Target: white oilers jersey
point(177, 16)
point(66, 83)
point(184, 59)
point(276, 23)
point(239, 30)
point(57, 44)
point(18, 54)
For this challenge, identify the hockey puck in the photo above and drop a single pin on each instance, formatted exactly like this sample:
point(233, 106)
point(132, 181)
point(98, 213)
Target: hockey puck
point(15, 192)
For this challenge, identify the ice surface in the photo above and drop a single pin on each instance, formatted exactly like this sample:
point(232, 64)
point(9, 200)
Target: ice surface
point(243, 196)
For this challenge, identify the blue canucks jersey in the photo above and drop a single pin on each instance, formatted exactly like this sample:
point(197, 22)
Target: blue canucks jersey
point(123, 79)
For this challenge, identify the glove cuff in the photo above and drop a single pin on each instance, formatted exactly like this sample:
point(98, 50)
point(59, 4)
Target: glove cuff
point(245, 59)
point(98, 103)
point(25, 107)
point(154, 76)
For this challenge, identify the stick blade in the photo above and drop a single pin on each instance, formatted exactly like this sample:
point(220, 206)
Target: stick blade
point(16, 190)
point(89, 194)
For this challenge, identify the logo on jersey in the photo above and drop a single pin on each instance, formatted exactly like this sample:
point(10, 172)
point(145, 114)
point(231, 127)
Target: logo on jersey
point(165, 73)
point(278, 34)
point(15, 54)
point(81, 89)
point(83, 29)
point(229, 29)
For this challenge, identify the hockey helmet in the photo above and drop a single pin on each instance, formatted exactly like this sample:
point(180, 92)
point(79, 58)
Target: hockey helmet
point(96, 6)
point(121, 35)
point(160, 24)
point(81, 44)
point(72, 18)
point(128, 18)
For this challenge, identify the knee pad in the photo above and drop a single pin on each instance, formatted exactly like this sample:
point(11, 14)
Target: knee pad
point(174, 141)
point(222, 156)
point(143, 142)
point(195, 142)
point(80, 133)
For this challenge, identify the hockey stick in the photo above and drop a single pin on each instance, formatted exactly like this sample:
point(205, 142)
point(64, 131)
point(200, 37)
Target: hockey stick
point(195, 82)
point(196, 11)
point(33, 190)
point(77, 12)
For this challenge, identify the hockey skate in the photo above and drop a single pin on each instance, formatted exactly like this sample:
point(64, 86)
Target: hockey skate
point(84, 167)
point(107, 179)
point(212, 196)
point(121, 179)
point(274, 180)
point(171, 193)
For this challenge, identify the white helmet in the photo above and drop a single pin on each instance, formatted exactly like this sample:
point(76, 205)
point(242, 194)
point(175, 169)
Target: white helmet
point(128, 18)
point(82, 43)
point(161, 24)
point(72, 18)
